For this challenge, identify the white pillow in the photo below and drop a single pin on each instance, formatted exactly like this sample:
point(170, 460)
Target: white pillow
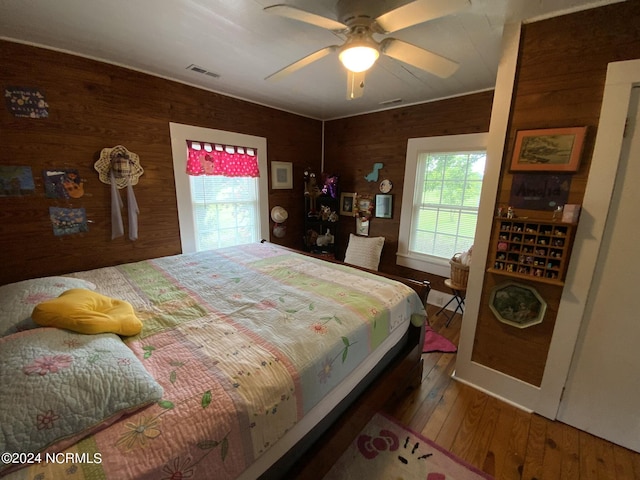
point(364, 251)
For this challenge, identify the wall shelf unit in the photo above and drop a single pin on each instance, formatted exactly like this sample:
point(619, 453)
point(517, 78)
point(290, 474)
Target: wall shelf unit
point(317, 224)
point(536, 250)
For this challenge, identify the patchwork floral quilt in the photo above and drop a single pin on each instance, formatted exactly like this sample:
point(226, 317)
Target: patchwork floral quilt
point(243, 343)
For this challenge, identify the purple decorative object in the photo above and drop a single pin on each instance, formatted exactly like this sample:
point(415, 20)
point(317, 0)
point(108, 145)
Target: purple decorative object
point(330, 186)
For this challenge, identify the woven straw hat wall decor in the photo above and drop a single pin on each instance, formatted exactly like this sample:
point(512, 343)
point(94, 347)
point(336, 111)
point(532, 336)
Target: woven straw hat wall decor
point(120, 168)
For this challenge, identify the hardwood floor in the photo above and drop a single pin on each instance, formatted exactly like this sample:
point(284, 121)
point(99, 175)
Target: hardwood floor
point(499, 438)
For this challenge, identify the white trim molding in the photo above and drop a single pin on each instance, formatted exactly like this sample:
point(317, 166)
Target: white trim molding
point(180, 133)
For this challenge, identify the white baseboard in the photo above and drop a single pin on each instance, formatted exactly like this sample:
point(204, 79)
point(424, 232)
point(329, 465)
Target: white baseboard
point(490, 393)
point(440, 299)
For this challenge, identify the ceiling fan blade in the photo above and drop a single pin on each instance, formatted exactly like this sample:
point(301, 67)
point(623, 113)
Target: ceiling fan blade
point(418, 57)
point(355, 84)
point(307, 17)
point(418, 12)
point(303, 62)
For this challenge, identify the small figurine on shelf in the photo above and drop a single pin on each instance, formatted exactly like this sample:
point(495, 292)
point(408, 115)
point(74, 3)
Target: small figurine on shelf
point(557, 213)
point(510, 213)
point(330, 185)
point(325, 211)
point(311, 237)
point(311, 190)
point(324, 240)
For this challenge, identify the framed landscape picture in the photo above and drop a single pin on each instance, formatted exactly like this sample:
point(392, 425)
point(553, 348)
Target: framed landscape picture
point(548, 150)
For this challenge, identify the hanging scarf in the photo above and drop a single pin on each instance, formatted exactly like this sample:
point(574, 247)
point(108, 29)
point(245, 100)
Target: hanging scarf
point(117, 226)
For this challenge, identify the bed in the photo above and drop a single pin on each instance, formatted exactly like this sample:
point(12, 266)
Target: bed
point(247, 356)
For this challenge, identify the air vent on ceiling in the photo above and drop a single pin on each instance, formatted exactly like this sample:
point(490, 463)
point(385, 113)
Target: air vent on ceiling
point(391, 102)
point(197, 69)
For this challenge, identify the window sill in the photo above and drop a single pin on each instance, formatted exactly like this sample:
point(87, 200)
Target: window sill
point(425, 263)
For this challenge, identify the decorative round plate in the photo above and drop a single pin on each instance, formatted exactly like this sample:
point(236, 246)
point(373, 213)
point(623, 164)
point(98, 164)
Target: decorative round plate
point(386, 186)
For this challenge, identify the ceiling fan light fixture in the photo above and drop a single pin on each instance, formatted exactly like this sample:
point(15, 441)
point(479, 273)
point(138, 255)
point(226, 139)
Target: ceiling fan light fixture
point(359, 58)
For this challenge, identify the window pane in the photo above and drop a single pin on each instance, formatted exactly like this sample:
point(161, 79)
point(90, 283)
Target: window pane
point(446, 213)
point(225, 211)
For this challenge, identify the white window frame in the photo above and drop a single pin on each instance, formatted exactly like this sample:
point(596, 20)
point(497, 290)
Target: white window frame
point(180, 133)
point(415, 148)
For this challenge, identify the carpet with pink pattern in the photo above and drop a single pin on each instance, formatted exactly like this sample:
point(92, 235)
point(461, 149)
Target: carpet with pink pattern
point(386, 450)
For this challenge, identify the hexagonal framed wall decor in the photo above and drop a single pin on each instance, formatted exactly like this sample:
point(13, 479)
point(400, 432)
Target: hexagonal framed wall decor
point(517, 304)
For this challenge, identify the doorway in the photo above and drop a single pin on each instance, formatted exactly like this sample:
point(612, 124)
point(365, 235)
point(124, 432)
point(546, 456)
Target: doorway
point(603, 387)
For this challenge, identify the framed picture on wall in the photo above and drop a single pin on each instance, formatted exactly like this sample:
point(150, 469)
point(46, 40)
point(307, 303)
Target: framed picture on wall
point(517, 304)
point(364, 205)
point(548, 150)
point(362, 226)
point(281, 175)
point(347, 203)
point(384, 206)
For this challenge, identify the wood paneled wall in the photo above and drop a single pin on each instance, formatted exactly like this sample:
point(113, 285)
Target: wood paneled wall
point(354, 144)
point(93, 105)
point(559, 83)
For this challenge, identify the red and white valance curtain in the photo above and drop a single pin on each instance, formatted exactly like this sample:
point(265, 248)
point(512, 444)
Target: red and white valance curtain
point(222, 160)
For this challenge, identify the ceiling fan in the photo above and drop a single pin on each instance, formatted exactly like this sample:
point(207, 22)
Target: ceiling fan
point(360, 50)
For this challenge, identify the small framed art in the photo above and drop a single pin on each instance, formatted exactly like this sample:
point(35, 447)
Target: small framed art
point(281, 175)
point(364, 205)
point(384, 206)
point(362, 226)
point(517, 304)
point(548, 150)
point(347, 203)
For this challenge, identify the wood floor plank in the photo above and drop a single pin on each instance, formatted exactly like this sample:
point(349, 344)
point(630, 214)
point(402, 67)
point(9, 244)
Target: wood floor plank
point(437, 382)
point(624, 463)
point(432, 372)
point(514, 458)
point(452, 423)
point(571, 458)
point(605, 462)
point(553, 450)
point(463, 442)
point(484, 432)
point(588, 462)
point(441, 412)
point(495, 456)
point(533, 461)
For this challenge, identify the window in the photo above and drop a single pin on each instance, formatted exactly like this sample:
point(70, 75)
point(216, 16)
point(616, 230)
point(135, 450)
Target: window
point(443, 181)
point(225, 211)
point(217, 211)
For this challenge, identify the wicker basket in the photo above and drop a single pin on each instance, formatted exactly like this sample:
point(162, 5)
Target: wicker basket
point(459, 272)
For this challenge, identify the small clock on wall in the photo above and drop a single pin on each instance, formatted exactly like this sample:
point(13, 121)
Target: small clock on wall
point(386, 186)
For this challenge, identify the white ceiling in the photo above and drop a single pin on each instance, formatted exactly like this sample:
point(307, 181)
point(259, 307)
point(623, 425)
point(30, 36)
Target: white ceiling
point(238, 41)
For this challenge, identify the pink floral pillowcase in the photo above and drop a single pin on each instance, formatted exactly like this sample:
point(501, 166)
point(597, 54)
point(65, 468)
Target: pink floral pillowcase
point(59, 386)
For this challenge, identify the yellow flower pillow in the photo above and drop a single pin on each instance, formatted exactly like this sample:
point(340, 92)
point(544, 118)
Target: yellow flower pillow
point(86, 311)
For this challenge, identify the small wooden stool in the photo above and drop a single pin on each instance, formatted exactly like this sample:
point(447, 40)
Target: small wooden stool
point(458, 296)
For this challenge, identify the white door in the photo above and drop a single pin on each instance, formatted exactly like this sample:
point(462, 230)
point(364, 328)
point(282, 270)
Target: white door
point(602, 394)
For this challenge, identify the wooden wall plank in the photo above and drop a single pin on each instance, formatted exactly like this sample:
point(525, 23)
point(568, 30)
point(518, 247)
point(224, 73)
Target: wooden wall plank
point(93, 105)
